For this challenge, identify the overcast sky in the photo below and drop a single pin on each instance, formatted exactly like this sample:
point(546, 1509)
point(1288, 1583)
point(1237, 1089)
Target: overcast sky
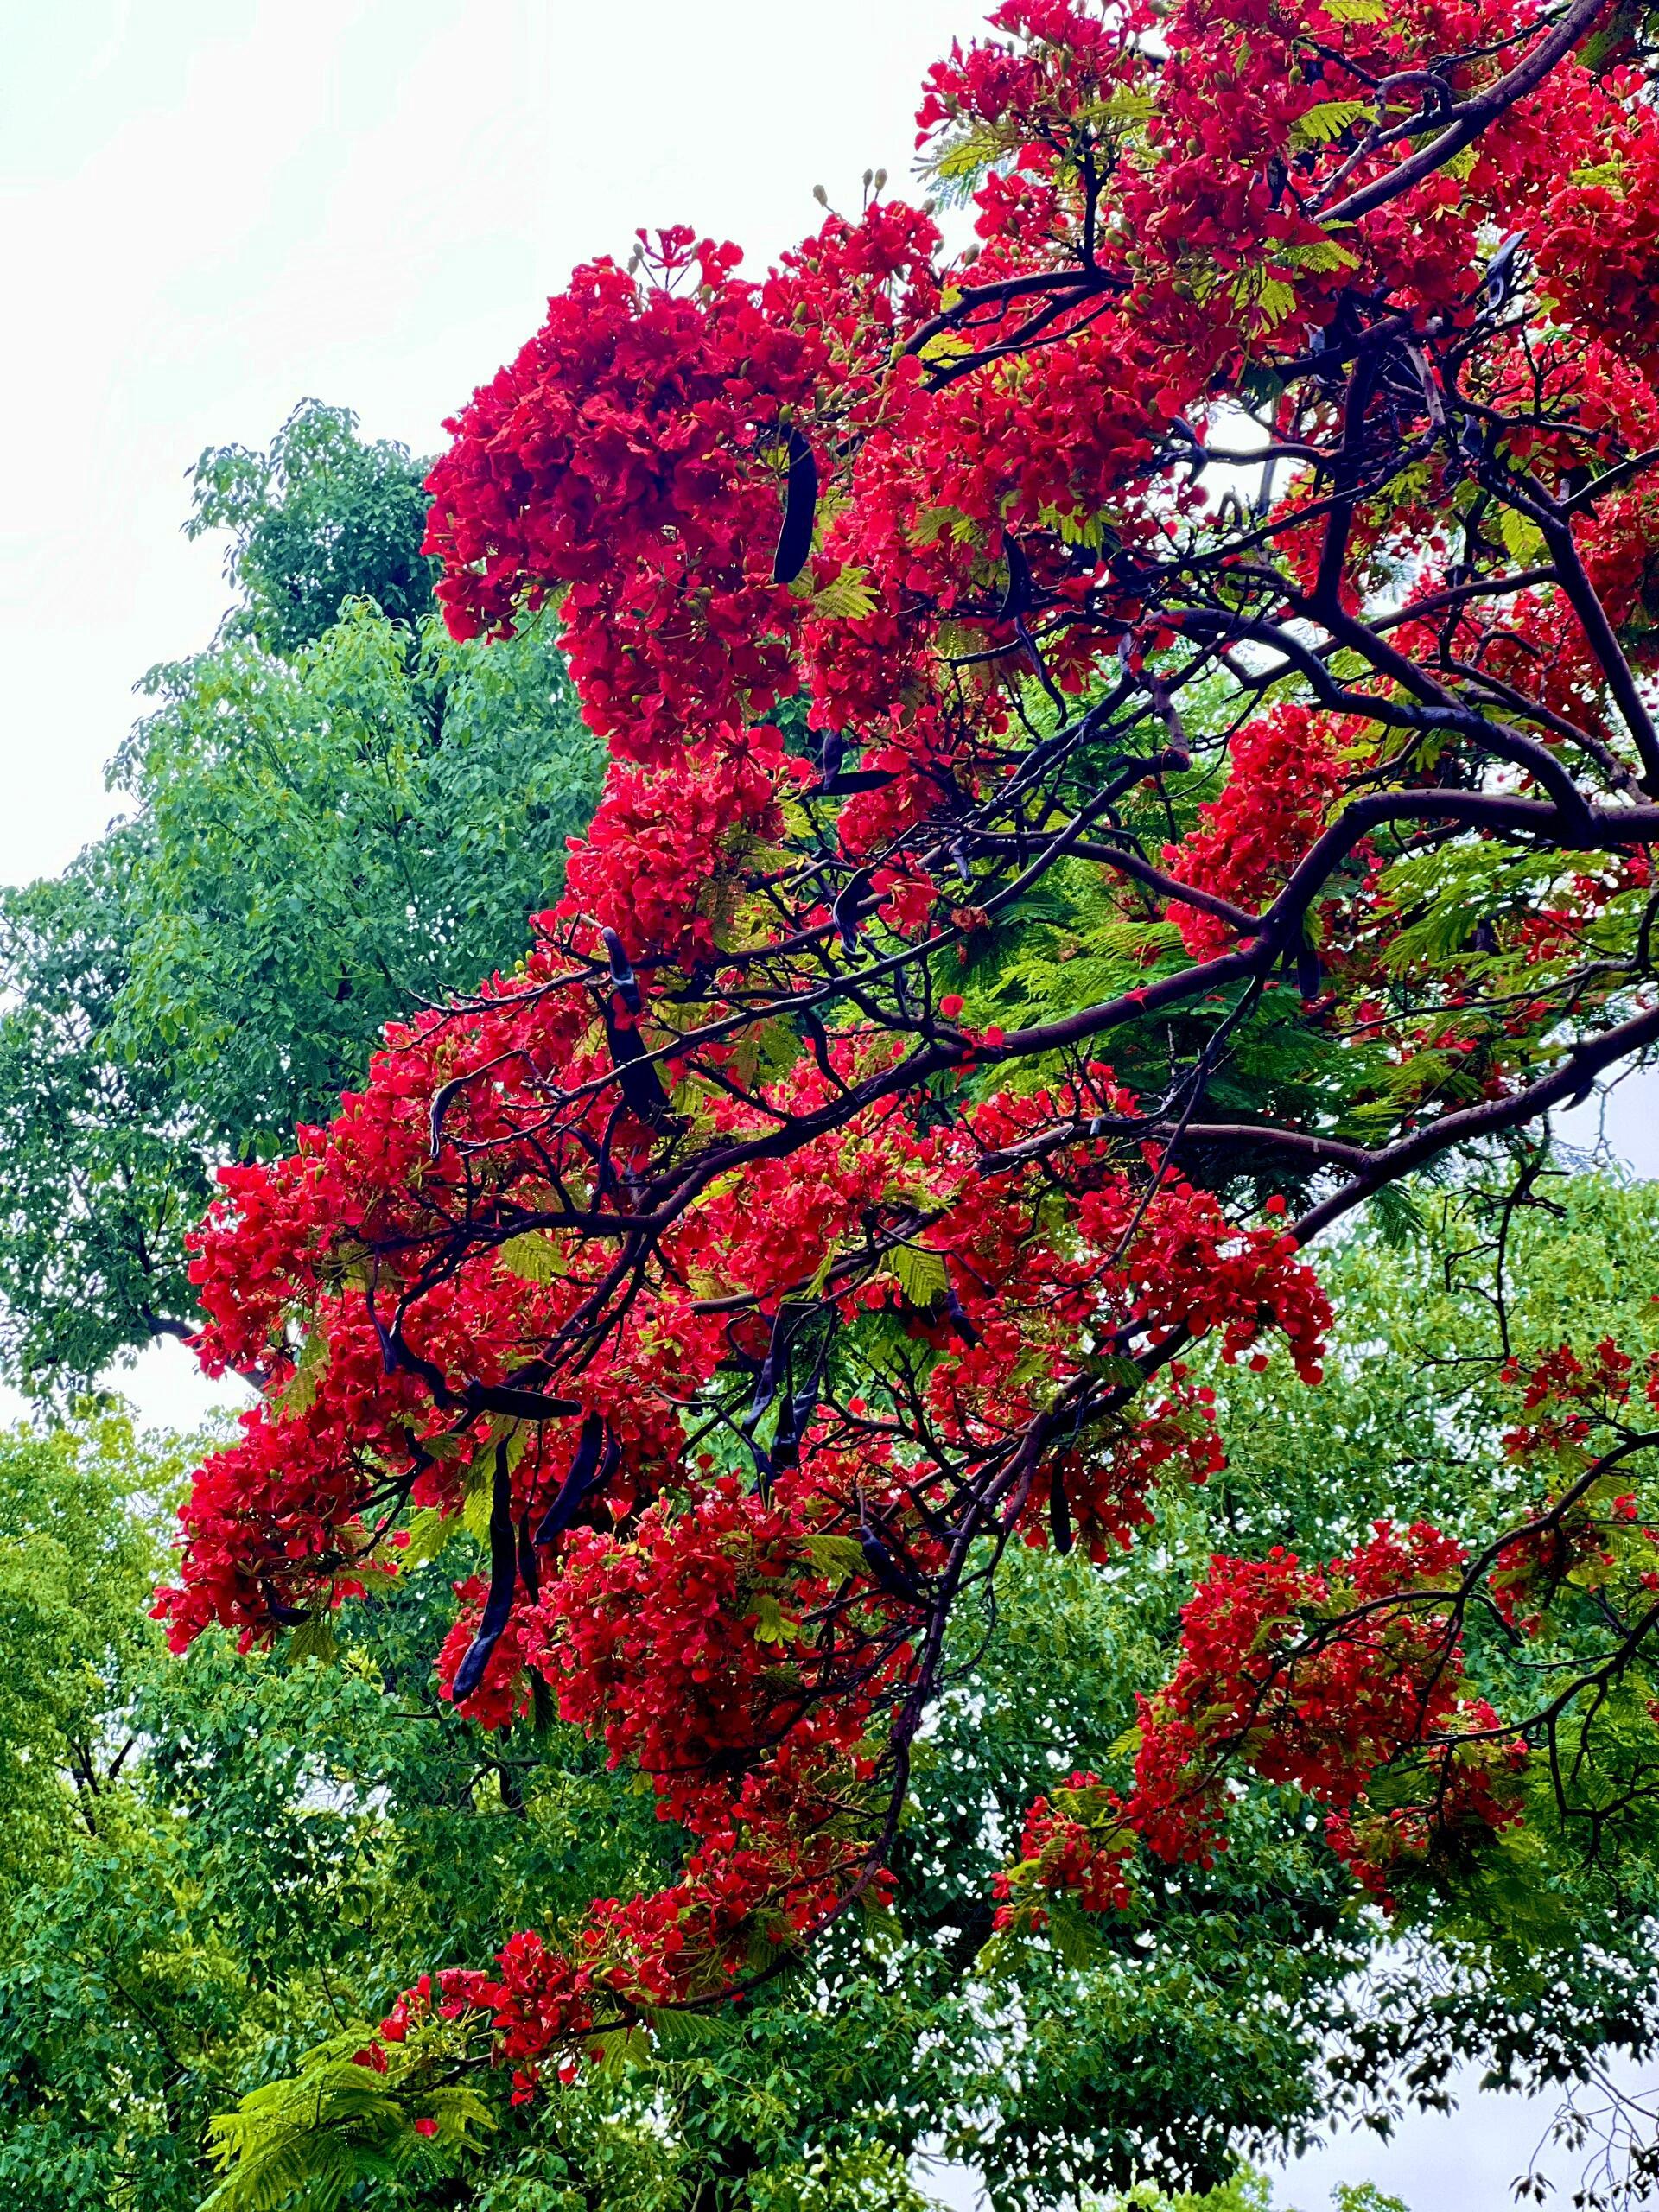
point(211, 208)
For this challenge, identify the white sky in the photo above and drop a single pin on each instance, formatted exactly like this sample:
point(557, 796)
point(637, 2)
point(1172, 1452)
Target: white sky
point(211, 208)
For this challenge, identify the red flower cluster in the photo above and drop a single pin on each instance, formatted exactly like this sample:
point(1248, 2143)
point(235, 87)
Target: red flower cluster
point(1062, 1853)
point(1288, 770)
point(713, 1262)
point(1347, 1682)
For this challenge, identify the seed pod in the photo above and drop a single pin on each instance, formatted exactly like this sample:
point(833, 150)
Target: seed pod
point(852, 779)
point(1500, 271)
point(285, 1615)
point(886, 1570)
point(641, 1086)
point(844, 913)
point(578, 1481)
point(527, 1570)
point(1307, 972)
point(504, 1572)
point(1059, 1515)
point(624, 982)
point(800, 510)
point(813, 1030)
point(1016, 596)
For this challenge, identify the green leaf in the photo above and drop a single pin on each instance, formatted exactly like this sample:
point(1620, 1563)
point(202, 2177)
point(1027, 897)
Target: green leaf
point(835, 1558)
point(764, 1052)
point(313, 1639)
point(1523, 539)
point(429, 1532)
point(299, 1393)
point(772, 1624)
point(846, 598)
point(532, 1256)
point(1325, 120)
point(921, 1275)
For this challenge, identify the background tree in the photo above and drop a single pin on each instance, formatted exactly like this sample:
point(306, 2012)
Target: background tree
point(334, 812)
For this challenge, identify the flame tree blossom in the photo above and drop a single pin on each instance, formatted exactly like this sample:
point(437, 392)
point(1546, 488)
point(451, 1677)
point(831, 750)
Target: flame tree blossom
point(1251, 536)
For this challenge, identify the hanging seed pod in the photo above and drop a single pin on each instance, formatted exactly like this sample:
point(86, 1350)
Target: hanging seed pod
point(285, 1615)
point(504, 1572)
point(1059, 1515)
point(578, 1481)
point(623, 981)
point(817, 1036)
point(885, 1571)
point(800, 512)
point(844, 913)
point(1016, 595)
point(641, 1085)
point(528, 1574)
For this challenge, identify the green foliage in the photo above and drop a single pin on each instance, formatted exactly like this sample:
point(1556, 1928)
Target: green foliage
point(336, 2126)
point(321, 518)
point(76, 1558)
point(1245, 2190)
point(337, 814)
point(100, 1182)
point(288, 1842)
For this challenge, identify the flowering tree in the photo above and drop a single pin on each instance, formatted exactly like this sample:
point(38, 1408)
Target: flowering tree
point(1207, 622)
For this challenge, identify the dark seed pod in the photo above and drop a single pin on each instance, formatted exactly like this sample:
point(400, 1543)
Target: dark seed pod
point(527, 1570)
point(766, 1388)
point(522, 1405)
point(964, 1328)
point(850, 780)
point(1059, 1516)
point(1016, 595)
point(578, 1481)
point(1307, 972)
point(285, 1615)
point(1500, 271)
point(641, 1085)
point(800, 510)
point(886, 1570)
point(504, 1574)
point(816, 1036)
point(786, 1450)
point(623, 981)
point(844, 913)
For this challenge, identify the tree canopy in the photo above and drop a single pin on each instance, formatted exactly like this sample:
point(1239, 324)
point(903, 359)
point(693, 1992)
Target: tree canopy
point(277, 1844)
point(940, 1466)
point(1131, 746)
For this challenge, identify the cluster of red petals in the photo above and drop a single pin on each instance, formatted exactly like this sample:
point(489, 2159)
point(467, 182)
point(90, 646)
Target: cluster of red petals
point(1583, 1525)
point(739, 1635)
point(1287, 770)
point(1061, 1854)
point(1326, 1679)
